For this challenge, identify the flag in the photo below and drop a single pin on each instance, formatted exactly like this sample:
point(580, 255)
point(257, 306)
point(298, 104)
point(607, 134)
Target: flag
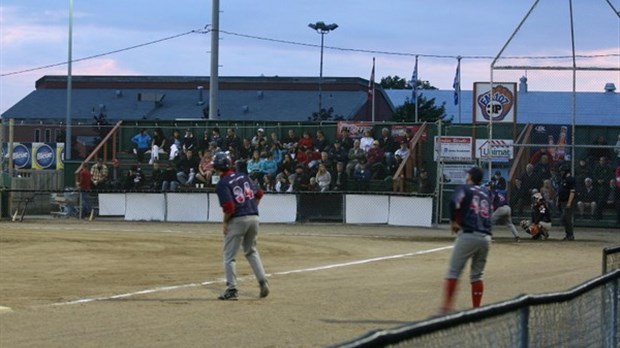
point(457, 82)
point(414, 82)
point(371, 82)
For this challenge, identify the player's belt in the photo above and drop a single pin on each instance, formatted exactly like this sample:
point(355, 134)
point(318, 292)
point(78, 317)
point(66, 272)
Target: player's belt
point(477, 232)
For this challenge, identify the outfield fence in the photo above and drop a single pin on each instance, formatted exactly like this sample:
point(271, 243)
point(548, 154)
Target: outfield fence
point(585, 316)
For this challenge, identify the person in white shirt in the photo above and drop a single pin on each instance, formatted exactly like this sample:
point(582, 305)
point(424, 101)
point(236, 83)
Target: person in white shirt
point(366, 141)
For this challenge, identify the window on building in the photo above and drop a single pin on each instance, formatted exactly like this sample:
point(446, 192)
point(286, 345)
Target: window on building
point(37, 136)
point(48, 135)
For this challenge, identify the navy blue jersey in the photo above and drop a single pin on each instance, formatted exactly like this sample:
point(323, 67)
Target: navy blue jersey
point(500, 198)
point(470, 207)
point(237, 194)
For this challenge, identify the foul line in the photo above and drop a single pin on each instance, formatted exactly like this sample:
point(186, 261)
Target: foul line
point(313, 269)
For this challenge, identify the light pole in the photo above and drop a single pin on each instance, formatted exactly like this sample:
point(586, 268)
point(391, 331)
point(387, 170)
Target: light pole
point(322, 28)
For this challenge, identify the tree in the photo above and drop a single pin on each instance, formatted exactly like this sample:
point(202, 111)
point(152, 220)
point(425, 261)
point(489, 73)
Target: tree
point(325, 115)
point(400, 83)
point(427, 111)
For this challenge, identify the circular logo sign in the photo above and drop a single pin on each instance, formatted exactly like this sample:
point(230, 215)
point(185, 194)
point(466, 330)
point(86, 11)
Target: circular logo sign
point(45, 156)
point(21, 156)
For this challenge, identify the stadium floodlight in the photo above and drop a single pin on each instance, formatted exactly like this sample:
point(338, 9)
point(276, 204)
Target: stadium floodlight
point(322, 28)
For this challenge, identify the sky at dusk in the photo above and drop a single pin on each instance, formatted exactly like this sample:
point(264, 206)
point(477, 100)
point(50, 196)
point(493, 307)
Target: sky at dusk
point(272, 37)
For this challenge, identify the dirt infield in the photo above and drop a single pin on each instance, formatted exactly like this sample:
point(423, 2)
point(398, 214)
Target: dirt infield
point(119, 284)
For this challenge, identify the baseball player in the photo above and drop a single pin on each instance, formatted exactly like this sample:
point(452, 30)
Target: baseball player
point(502, 213)
point(540, 225)
point(239, 199)
point(470, 218)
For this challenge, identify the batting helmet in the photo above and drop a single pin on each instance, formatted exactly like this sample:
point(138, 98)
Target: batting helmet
point(221, 161)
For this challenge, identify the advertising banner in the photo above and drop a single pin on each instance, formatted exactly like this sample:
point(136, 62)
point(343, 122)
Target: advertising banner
point(356, 129)
point(555, 138)
point(454, 174)
point(43, 156)
point(500, 107)
point(502, 150)
point(60, 156)
point(22, 155)
point(451, 148)
point(399, 132)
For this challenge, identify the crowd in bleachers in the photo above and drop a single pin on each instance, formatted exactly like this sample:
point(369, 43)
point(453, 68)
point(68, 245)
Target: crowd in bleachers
point(296, 162)
point(596, 176)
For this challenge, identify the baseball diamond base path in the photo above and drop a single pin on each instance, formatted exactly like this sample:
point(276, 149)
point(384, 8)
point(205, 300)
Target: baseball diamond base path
point(141, 284)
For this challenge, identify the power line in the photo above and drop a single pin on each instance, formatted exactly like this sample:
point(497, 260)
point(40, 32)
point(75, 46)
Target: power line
point(102, 54)
point(206, 30)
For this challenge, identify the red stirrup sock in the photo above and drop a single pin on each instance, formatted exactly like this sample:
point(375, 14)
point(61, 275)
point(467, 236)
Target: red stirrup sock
point(449, 289)
point(477, 288)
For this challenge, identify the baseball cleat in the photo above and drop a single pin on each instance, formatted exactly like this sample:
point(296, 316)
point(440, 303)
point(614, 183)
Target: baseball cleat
point(229, 295)
point(264, 289)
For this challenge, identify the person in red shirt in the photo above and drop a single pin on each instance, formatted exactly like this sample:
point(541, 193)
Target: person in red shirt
point(83, 183)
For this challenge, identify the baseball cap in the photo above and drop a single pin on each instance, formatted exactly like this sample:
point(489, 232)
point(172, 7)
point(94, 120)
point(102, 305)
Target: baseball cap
point(376, 142)
point(261, 130)
point(475, 173)
point(498, 172)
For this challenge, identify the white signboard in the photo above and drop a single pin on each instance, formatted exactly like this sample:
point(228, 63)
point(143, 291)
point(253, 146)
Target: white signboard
point(454, 174)
point(501, 150)
point(453, 148)
point(501, 107)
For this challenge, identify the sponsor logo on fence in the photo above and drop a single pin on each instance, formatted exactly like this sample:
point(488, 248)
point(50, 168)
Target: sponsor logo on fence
point(21, 156)
point(44, 157)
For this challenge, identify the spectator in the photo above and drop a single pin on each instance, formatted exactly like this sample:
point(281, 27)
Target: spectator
point(268, 183)
point(258, 137)
point(337, 153)
point(356, 154)
point(268, 166)
point(187, 167)
point(329, 164)
point(170, 183)
point(157, 176)
point(542, 169)
point(376, 160)
point(282, 182)
point(519, 196)
point(321, 143)
point(549, 193)
point(306, 141)
point(323, 178)
point(346, 140)
point(543, 151)
point(205, 167)
point(291, 138)
point(388, 145)
point(586, 199)
point(362, 176)
point(403, 150)
point(115, 175)
point(287, 163)
point(253, 167)
point(530, 180)
point(142, 142)
point(83, 183)
point(175, 144)
point(134, 178)
point(99, 175)
point(277, 152)
point(232, 141)
point(157, 145)
point(340, 179)
point(204, 143)
point(300, 179)
point(424, 183)
point(498, 182)
point(599, 150)
point(216, 137)
point(582, 171)
point(304, 156)
point(189, 142)
point(366, 141)
point(602, 172)
point(243, 155)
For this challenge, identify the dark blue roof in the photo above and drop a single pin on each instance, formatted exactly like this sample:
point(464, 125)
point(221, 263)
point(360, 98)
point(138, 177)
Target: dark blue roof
point(592, 108)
